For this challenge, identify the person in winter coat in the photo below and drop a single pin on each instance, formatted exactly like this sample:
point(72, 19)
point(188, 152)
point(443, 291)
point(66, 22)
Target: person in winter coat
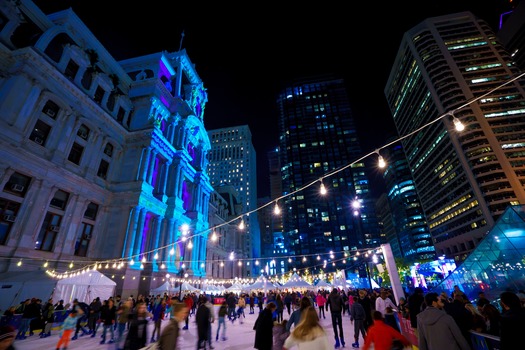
point(7, 337)
point(158, 311)
point(202, 318)
point(170, 333)
point(382, 335)
point(414, 305)
point(263, 328)
point(279, 334)
point(295, 318)
point(138, 328)
point(108, 312)
point(222, 313)
point(436, 329)
point(365, 301)
point(309, 334)
point(320, 300)
point(358, 318)
point(512, 321)
point(69, 325)
point(336, 303)
point(48, 315)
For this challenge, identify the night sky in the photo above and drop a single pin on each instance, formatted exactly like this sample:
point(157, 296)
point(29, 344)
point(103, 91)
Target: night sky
point(245, 53)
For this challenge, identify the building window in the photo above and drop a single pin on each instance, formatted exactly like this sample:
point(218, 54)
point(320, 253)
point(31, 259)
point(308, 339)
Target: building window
point(60, 200)
point(48, 232)
point(17, 184)
point(71, 70)
point(76, 153)
point(103, 169)
point(108, 150)
point(8, 212)
point(91, 211)
point(40, 132)
point(51, 109)
point(120, 115)
point(99, 95)
point(83, 132)
point(82, 243)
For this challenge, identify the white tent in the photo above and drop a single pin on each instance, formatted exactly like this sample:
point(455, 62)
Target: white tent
point(18, 286)
point(322, 284)
point(186, 287)
point(297, 282)
point(261, 283)
point(163, 288)
point(85, 287)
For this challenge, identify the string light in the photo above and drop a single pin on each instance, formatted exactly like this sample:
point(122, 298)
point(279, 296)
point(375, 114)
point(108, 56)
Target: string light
point(322, 189)
point(190, 244)
point(276, 209)
point(185, 227)
point(213, 236)
point(380, 160)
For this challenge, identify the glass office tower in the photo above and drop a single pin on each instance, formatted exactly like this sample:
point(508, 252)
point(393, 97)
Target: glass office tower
point(447, 68)
point(319, 146)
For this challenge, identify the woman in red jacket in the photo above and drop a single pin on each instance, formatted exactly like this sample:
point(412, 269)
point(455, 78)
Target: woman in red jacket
point(382, 335)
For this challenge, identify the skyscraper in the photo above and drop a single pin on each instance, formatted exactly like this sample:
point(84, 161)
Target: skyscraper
point(452, 68)
point(318, 137)
point(408, 232)
point(232, 161)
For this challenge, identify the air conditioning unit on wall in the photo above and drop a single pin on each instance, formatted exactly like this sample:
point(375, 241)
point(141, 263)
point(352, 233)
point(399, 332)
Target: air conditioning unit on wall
point(17, 187)
point(9, 218)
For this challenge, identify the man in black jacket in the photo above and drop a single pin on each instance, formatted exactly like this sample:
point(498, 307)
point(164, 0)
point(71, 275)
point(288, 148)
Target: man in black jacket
point(82, 319)
point(336, 303)
point(202, 318)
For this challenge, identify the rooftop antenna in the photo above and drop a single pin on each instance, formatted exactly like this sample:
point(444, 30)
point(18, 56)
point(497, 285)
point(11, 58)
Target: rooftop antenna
point(181, 39)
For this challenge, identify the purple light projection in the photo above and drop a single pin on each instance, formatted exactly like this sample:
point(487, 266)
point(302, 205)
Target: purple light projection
point(186, 196)
point(145, 231)
point(155, 175)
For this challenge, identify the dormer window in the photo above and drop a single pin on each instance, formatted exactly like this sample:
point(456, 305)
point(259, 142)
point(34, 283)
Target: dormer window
point(83, 132)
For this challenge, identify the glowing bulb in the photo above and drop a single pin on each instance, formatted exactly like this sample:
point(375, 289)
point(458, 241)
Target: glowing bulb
point(156, 256)
point(241, 225)
point(190, 245)
point(132, 262)
point(172, 251)
point(70, 265)
point(45, 264)
point(143, 259)
point(213, 236)
point(162, 266)
point(458, 124)
point(276, 209)
point(19, 263)
point(322, 189)
point(232, 255)
point(381, 162)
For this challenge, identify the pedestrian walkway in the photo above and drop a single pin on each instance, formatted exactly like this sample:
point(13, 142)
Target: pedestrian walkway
point(239, 336)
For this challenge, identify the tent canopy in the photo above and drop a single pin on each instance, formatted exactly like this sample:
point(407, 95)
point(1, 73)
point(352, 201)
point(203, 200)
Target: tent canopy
point(261, 283)
point(296, 282)
point(85, 287)
point(21, 285)
point(186, 287)
point(324, 284)
point(163, 288)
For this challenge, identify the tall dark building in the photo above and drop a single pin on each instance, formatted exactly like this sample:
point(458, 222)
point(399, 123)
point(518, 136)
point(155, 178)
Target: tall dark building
point(319, 146)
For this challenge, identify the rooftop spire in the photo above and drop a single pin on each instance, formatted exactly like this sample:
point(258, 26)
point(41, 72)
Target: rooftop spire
point(181, 39)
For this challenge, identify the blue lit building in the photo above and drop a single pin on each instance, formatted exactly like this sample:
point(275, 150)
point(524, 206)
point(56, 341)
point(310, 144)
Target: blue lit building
point(410, 237)
point(101, 162)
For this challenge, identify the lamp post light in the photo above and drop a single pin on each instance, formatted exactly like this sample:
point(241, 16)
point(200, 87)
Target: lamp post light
point(232, 257)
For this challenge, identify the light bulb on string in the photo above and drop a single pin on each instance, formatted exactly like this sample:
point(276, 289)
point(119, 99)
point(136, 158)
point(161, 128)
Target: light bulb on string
point(162, 266)
point(458, 124)
point(214, 236)
point(71, 265)
point(276, 209)
point(380, 160)
point(156, 256)
point(45, 264)
point(322, 189)
point(190, 244)
point(19, 263)
point(241, 224)
point(172, 251)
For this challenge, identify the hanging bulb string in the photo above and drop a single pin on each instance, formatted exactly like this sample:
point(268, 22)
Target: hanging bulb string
point(328, 174)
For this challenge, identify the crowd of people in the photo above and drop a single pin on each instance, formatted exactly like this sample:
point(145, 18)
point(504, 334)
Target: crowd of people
point(284, 320)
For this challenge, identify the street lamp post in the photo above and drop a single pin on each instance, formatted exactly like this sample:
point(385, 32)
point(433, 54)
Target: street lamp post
point(181, 274)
